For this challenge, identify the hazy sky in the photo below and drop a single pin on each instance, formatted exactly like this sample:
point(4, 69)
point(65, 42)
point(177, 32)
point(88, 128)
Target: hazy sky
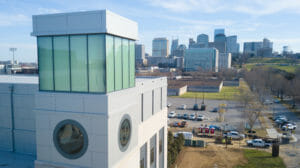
point(251, 20)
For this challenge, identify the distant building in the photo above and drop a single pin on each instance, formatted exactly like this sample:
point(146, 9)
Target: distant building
point(191, 43)
point(251, 48)
point(224, 61)
point(139, 54)
point(231, 45)
point(160, 47)
point(179, 52)
point(203, 58)
point(219, 31)
point(220, 43)
point(203, 39)
point(174, 46)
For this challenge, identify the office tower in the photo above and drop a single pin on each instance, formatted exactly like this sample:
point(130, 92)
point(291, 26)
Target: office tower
point(220, 43)
point(219, 31)
point(202, 39)
point(231, 45)
point(206, 59)
point(90, 109)
point(251, 48)
point(179, 52)
point(191, 43)
point(160, 47)
point(139, 54)
point(174, 46)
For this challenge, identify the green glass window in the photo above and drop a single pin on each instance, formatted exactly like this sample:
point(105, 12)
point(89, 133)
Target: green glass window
point(132, 64)
point(61, 63)
point(125, 58)
point(110, 70)
point(78, 50)
point(45, 63)
point(96, 52)
point(118, 63)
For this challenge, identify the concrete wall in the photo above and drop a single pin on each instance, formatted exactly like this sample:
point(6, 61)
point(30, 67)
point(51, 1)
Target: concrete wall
point(177, 91)
point(231, 83)
point(205, 88)
point(17, 118)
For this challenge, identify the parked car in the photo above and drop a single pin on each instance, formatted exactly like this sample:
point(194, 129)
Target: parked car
point(179, 116)
point(175, 124)
point(258, 143)
point(234, 135)
point(276, 101)
point(192, 117)
point(279, 117)
point(214, 110)
point(169, 105)
point(182, 107)
point(267, 102)
point(289, 126)
point(172, 114)
point(185, 116)
point(200, 118)
point(281, 120)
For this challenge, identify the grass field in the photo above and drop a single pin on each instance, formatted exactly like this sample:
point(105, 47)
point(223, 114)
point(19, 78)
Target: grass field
point(261, 159)
point(271, 60)
point(227, 93)
point(290, 68)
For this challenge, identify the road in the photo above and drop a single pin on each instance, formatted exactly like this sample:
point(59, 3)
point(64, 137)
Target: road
point(291, 152)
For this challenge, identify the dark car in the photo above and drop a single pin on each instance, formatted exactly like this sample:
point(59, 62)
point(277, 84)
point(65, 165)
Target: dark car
point(214, 110)
point(185, 116)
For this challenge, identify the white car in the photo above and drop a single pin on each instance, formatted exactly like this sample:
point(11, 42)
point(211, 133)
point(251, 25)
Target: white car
point(234, 135)
point(258, 143)
point(289, 126)
point(192, 117)
point(172, 114)
point(200, 118)
point(169, 105)
point(267, 102)
point(182, 107)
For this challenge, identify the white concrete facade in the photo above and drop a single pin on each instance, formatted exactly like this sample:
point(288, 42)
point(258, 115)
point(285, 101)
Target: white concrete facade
point(100, 115)
point(88, 22)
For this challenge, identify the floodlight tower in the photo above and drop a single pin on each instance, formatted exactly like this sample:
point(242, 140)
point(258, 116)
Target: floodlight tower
point(13, 50)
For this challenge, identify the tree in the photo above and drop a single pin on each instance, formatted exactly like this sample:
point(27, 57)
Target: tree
point(253, 112)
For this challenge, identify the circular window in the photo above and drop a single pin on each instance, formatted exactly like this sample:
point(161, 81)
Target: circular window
point(70, 139)
point(124, 133)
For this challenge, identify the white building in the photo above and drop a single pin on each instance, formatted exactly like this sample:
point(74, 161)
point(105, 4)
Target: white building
point(224, 61)
point(160, 47)
point(86, 109)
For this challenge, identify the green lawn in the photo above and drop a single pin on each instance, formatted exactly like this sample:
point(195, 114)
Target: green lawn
point(227, 93)
point(290, 68)
point(270, 60)
point(261, 159)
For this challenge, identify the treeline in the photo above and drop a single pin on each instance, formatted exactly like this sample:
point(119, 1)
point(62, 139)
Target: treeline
point(174, 147)
point(270, 81)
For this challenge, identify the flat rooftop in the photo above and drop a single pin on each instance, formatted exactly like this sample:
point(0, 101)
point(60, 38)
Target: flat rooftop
point(19, 79)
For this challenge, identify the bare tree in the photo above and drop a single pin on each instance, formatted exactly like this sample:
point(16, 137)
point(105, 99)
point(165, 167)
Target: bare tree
point(253, 112)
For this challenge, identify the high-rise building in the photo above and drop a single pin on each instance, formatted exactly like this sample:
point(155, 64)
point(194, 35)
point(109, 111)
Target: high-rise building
point(174, 46)
point(220, 43)
point(219, 31)
point(139, 53)
point(160, 47)
point(191, 43)
point(231, 45)
point(179, 52)
point(251, 48)
point(86, 108)
point(203, 39)
point(206, 59)
point(267, 43)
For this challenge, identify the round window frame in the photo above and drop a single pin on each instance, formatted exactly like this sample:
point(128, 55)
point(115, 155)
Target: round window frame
point(121, 147)
point(85, 139)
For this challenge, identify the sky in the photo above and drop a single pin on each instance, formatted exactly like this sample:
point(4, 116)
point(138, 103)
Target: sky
point(250, 20)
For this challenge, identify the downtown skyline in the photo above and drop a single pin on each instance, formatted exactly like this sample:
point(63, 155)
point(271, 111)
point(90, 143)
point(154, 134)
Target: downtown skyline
point(249, 20)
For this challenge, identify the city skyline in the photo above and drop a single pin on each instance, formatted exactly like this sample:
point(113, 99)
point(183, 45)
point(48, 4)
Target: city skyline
point(249, 20)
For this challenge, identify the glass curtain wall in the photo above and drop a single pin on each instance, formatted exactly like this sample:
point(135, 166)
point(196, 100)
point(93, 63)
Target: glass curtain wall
point(96, 63)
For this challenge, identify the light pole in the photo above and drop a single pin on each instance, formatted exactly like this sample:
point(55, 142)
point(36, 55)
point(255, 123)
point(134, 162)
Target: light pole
point(13, 49)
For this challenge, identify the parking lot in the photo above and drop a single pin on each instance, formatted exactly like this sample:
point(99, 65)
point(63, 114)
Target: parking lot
point(233, 117)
